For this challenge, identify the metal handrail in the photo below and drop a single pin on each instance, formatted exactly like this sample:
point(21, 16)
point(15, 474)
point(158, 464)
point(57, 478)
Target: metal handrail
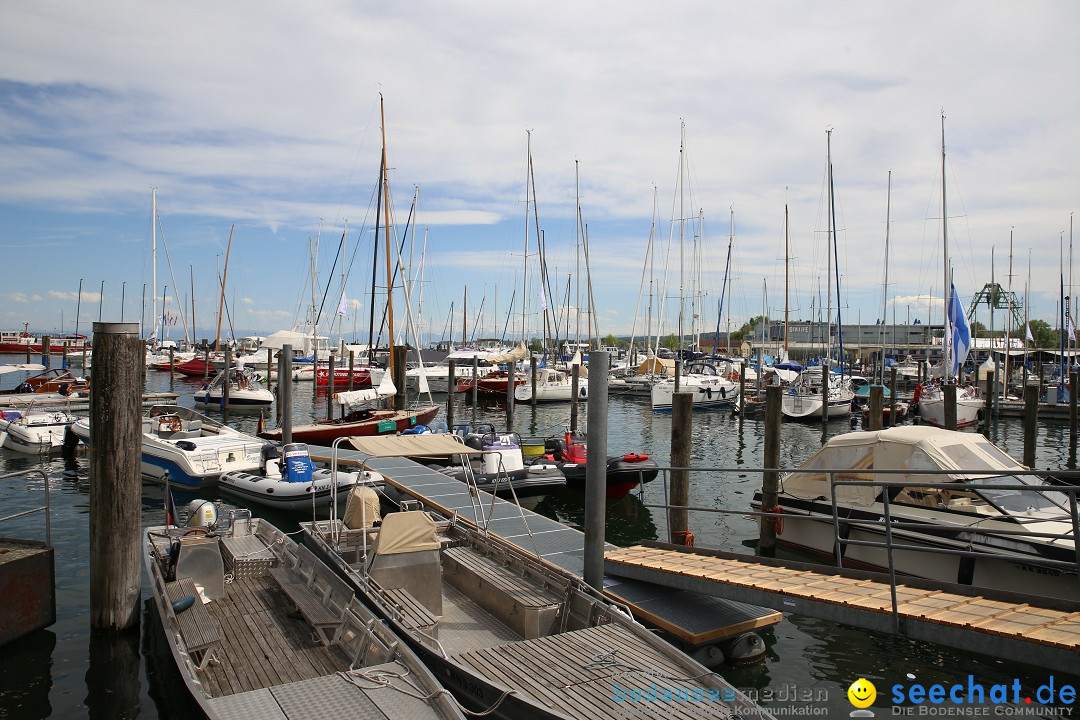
point(46, 508)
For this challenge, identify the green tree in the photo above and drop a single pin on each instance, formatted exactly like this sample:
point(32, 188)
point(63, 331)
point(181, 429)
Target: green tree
point(1044, 335)
point(670, 342)
point(612, 341)
point(750, 328)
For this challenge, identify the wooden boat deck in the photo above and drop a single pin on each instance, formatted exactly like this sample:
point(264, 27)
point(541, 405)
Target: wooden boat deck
point(260, 644)
point(1046, 635)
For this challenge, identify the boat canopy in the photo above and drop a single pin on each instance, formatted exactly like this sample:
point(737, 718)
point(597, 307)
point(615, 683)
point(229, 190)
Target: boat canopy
point(428, 444)
point(916, 448)
point(657, 366)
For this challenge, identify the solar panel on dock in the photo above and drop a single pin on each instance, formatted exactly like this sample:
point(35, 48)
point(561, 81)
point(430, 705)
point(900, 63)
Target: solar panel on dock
point(695, 618)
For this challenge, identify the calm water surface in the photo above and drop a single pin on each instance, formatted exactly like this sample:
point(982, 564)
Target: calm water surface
point(68, 672)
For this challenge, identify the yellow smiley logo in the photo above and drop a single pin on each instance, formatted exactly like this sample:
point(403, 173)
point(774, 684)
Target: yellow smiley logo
point(862, 693)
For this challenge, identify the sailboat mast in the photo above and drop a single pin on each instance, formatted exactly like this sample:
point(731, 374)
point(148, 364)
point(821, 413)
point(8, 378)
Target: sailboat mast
point(153, 261)
point(946, 340)
point(787, 280)
point(525, 259)
point(1009, 321)
point(386, 237)
point(682, 232)
point(191, 276)
point(577, 255)
point(885, 290)
point(828, 251)
point(221, 300)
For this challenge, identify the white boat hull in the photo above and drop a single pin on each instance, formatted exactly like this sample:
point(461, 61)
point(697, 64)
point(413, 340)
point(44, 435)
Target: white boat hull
point(281, 494)
point(710, 393)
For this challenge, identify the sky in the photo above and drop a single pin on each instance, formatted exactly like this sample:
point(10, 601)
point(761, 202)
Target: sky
point(692, 124)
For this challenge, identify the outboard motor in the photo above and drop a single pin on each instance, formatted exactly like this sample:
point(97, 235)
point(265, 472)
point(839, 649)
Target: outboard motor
point(270, 460)
point(298, 464)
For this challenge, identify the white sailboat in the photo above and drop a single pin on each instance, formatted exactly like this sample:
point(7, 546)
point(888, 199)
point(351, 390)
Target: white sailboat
point(955, 343)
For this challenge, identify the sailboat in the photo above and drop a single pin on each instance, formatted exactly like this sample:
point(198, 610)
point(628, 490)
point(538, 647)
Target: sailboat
point(814, 394)
point(957, 339)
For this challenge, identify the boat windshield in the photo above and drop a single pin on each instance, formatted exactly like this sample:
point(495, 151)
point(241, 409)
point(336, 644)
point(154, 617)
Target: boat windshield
point(1016, 502)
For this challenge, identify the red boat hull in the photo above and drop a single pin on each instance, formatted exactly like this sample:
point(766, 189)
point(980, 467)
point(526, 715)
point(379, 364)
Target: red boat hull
point(491, 384)
point(197, 367)
point(361, 377)
point(378, 422)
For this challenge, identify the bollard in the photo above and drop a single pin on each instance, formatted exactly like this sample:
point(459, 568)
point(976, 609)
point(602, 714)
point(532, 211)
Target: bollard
point(770, 480)
point(877, 402)
point(575, 380)
point(949, 398)
point(116, 476)
point(682, 412)
point(892, 396)
point(596, 471)
point(451, 381)
point(1031, 418)
point(285, 394)
point(533, 368)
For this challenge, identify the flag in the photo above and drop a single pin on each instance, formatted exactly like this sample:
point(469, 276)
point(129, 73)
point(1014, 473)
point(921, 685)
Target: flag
point(543, 298)
point(960, 334)
point(343, 308)
point(170, 508)
point(259, 427)
point(1072, 331)
point(1029, 337)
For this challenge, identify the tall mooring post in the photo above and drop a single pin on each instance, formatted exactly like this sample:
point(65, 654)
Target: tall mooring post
point(227, 377)
point(949, 398)
point(532, 364)
point(399, 377)
point(892, 396)
point(46, 351)
point(475, 388)
point(742, 387)
point(682, 413)
point(596, 471)
point(352, 366)
point(877, 402)
point(451, 383)
point(1031, 419)
point(511, 377)
point(285, 394)
point(575, 383)
point(116, 475)
point(1073, 376)
point(770, 479)
point(330, 387)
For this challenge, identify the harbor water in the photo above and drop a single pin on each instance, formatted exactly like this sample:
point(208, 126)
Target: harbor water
point(66, 671)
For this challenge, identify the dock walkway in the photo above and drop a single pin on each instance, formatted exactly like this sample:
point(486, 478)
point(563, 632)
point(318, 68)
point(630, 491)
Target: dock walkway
point(1038, 631)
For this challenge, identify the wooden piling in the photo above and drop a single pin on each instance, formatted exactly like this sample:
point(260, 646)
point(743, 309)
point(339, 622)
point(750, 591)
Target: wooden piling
point(892, 396)
point(511, 376)
point(596, 471)
point(825, 393)
point(949, 398)
point(270, 366)
point(1072, 409)
point(742, 387)
point(574, 383)
point(682, 412)
point(206, 361)
point(770, 479)
point(1031, 419)
point(225, 385)
point(988, 410)
point(352, 367)
point(285, 394)
point(116, 476)
point(399, 377)
point(330, 387)
point(532, 363)
point(877, 402)
point(475, 387)
point(46, 350)
point(450, 384)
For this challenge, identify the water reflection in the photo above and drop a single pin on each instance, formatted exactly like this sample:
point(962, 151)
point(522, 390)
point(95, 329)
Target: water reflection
point(112, 679)
point(165, 685)
point(26, 676)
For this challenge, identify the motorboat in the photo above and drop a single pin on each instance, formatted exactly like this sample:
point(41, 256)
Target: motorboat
point(288, 480)
point(804, 399)
point(193, 449)
point(33, 432)
point(930, 400)
point(507, 632)
point(623, 472)
point(553, 385)
point(437, 375)
point(500, 468)
point(975, 503)
point(709, 388)
point(362, 422)
point(260, 627)
point(245, 390)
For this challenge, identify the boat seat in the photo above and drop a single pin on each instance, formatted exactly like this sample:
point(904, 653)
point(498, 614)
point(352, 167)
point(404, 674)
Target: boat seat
point(318, 595)
point(527, 608)
point(197, 628)
point(406, 556)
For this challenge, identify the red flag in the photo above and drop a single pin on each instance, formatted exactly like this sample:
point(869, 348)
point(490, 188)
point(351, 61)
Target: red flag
point(259, 427)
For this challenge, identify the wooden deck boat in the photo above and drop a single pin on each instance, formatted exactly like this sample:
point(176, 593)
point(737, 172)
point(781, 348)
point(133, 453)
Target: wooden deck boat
point(285, 637)
point(508, 633)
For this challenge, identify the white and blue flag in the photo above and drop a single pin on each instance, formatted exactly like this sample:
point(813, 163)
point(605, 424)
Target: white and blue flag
point(960, 333)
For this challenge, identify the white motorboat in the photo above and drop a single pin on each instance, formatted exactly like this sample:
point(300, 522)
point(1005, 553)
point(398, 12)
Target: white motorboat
point(192, 448)
point(245, 390)
point(971, 514)
point(710, 389)
point(299, 485)
point(553, 385)
point(803, 400)
point(931, 401)
point(284, 637)
point(33, 432)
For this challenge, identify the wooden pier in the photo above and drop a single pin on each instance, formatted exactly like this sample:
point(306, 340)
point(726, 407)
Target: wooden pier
point(1034, 630)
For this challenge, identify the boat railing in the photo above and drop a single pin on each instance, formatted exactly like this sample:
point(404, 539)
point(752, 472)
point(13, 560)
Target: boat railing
point(46, 508)
point(841, 525)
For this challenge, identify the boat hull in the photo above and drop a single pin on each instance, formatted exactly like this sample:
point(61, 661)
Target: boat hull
point(382, 423)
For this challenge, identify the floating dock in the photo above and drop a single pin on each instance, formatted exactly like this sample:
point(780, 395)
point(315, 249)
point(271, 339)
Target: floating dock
point(696, 619)
point(1034, 630)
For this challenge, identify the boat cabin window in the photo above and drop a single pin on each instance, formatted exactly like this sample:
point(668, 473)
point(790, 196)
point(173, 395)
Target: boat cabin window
point(965, 457)
point(1012, 502)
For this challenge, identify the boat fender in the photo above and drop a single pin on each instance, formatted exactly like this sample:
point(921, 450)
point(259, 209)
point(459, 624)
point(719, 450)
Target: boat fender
point(185, 445)
point(583, 392)
point(183, 604)
point(683, 537)
point(918, 394)
point(774, 516)
point(708, 392)
point(723, 392)
point(635, 457)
